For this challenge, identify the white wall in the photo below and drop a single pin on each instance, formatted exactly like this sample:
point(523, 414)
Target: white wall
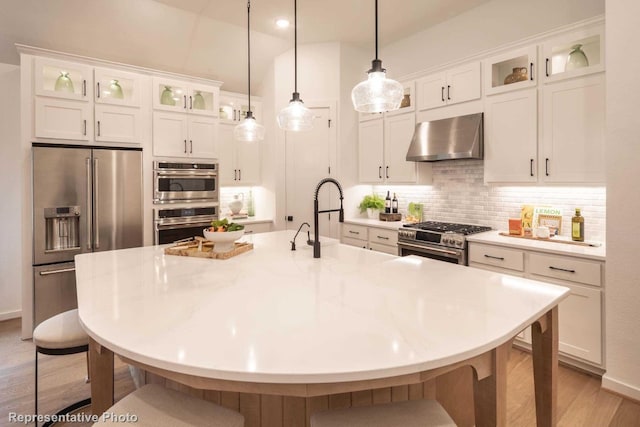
point(623, 198)
point(486, 27)
point(11, 206)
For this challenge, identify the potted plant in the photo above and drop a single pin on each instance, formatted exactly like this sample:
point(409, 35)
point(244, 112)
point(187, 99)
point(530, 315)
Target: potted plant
point(371, 204)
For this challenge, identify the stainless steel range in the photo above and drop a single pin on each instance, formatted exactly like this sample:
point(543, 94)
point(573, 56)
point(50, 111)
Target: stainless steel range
point(444, 241)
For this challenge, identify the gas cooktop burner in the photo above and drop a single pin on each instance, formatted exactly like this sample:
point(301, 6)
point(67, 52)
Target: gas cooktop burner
point(444, 227)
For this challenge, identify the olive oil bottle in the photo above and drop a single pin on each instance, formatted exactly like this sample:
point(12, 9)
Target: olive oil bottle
point(577, 227)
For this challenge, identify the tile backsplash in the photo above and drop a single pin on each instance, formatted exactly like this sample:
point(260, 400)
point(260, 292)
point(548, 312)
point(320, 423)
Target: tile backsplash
point(459, 194)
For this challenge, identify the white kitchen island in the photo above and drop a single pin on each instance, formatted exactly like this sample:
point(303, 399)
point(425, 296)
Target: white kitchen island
point(277, 326)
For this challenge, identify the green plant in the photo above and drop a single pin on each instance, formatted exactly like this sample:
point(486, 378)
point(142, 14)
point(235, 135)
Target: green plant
point(372, 201)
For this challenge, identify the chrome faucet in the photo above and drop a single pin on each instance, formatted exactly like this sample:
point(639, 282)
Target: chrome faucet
point(316, 233)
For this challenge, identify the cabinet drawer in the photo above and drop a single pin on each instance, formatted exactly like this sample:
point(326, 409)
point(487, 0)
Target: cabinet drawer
point(558, 267)
point(511, 259)
point(354, 242)
point(354, 231)
point(383, 237)
point(391, 250)
point(257, 228)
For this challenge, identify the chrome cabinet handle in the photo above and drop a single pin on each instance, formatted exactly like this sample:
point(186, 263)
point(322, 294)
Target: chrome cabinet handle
point(62, 270)
point(89, 214)
point(98, 90)
point(561, 269)
point(499, 258)
point(96, 196)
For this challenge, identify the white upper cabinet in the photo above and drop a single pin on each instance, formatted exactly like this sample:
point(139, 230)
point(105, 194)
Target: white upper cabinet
point(573, 131)
point(511, 137)
point(180, 135)
point(118, 124)
point(185, 97)
point(459, 84)
point(117, 87)
point(398, 132)
point(239, 160)
point(63, 79)
point(510, 71)
point(371, 151)
point(62, 119)
point(574, 54)
point(233, 107)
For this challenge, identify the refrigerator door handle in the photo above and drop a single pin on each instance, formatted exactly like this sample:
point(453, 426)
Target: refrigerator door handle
point(62, 270)
point(89, 213)
point(96, 208)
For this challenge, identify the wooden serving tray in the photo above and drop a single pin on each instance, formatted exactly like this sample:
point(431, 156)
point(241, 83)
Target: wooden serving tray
point(191, 249)
point(554, 240)
point(390, 216)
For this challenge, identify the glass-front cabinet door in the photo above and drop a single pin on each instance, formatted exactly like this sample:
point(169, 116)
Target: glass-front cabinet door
point(117, 87)
point(234, 108)
point(574, 54)
point(510, 71)
point(63, 79)
point(203, 100)
point(170, 95)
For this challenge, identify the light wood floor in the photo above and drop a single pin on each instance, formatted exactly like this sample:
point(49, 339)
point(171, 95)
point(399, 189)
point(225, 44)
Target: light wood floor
point(581, 401)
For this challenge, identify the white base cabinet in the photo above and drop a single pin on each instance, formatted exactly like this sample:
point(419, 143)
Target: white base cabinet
point(580, 315)
point(372, 238)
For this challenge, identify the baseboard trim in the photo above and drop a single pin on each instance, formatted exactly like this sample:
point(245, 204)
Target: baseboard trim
point(10, 315)
point(621, 388)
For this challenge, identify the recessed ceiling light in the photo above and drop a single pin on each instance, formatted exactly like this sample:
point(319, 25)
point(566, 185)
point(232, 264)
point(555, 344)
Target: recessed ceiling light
point(282, 23)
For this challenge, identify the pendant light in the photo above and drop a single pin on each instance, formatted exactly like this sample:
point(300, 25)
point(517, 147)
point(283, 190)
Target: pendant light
point(295, 117)
point(249, 129)
point(377, 94)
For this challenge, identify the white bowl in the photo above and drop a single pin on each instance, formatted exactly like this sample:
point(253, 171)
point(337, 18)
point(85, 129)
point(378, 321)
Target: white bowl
point(223, 241)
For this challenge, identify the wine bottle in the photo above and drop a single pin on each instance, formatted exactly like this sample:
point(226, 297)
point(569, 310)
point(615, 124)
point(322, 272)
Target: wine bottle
point(394, 204)
point(387, 203)
point(577, 227)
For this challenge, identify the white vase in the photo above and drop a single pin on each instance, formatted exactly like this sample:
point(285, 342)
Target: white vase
point(372, 213)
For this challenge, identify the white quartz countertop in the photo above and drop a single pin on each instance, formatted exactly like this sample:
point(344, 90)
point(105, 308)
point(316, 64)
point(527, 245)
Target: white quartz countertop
point(393, 225)
point(280, 316)
point(492, 237)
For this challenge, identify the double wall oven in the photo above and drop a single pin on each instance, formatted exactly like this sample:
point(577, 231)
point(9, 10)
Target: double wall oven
point(186, 196)
point(444, 241)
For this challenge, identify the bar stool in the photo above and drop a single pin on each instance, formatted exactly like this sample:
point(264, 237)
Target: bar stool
point(410, 413)
point(155, 406)
point(60, 335)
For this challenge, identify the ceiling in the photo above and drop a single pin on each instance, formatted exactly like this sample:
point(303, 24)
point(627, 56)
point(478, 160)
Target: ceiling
point(208, 37)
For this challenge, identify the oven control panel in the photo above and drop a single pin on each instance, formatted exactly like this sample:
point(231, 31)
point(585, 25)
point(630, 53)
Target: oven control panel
point(448, 239)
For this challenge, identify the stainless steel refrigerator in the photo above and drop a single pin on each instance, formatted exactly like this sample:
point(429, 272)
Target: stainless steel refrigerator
point(84, 200)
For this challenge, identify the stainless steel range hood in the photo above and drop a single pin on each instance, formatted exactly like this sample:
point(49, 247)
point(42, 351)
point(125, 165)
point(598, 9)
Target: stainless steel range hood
point(455, 138)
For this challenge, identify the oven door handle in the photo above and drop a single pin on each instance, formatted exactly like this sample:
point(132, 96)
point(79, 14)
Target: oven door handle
point(182, 225)
point(431, 249)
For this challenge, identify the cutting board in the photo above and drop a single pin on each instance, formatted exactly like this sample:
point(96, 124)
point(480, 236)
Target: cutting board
point(192, 249)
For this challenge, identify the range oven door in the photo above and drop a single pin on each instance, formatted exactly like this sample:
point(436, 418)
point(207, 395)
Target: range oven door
point(454, 256)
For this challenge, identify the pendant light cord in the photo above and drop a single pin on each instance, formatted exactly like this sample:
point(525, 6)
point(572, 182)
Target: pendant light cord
point(249, 53)
point(295, 46)
point(376, 30)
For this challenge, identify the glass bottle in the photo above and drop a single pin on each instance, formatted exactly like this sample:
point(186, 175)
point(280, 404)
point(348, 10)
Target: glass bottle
point(198, 101)
point(394, 204)
point(64, 83)
point(250, 207)
point(115, 89)
point(387, 203)
point(577, 227)
point(166, 98)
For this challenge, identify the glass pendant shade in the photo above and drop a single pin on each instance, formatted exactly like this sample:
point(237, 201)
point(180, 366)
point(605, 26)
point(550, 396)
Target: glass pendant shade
point(295, 117)
point(249, 129)
point(377, 94)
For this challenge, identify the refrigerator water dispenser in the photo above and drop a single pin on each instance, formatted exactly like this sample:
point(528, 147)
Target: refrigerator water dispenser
point(62, 225)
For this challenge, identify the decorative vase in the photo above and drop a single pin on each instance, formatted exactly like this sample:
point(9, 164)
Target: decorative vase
point(519, 74)
point(406, 101)
point(64, 83)
point(576, 58)
point(251, 209)
point(236, 205)
point(166, 98)
point(198, 101)
point(372, 213)
point(116, 90)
